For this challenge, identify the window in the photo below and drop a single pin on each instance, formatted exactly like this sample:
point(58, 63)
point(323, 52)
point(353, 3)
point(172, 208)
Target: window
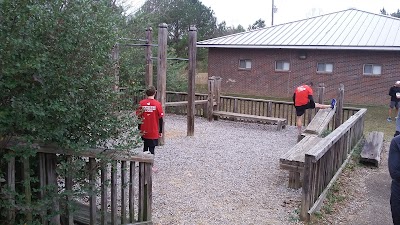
point(372, 69)
point(324, 67)
point(245, 64)
point(282, 66)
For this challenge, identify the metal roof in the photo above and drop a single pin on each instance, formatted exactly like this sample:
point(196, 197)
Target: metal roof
point(347, 29)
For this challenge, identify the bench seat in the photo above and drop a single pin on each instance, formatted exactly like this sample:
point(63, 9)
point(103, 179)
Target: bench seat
point(280, 122)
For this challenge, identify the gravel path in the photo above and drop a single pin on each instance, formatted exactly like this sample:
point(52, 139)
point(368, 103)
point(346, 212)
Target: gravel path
point(228, 173)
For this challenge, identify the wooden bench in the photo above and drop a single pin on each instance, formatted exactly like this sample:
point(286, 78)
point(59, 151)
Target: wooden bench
point(293, 160)
point(280, 122)
point(371, 152)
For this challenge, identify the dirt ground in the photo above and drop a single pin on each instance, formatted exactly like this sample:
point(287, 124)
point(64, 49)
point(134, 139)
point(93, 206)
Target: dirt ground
point(362, 196)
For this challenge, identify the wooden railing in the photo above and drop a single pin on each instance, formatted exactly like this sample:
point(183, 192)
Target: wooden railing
point(121, 172)
point(325, 161)
point(251, 106)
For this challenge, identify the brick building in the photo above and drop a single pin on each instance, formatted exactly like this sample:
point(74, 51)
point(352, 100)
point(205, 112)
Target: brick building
point(356, 48)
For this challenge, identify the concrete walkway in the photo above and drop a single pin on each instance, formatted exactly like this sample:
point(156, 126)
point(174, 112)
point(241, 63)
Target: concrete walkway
point(377, 209)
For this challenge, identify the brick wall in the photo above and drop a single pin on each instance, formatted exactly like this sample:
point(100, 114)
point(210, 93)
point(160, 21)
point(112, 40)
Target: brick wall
point(263, 80)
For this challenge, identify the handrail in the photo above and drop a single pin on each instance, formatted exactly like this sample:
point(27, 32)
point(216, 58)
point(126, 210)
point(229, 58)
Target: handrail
point(325, 161)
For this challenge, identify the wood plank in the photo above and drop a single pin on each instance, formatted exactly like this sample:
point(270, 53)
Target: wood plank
point(104, 194)
point(250, 117)
point(371, 152)
point(320, 121)
point(185, 103)
point(11, 186)
point(124, 189)
point(297, 153)
point(323, 146)
point(132, 192)
point(114, 218)
point(92, 194)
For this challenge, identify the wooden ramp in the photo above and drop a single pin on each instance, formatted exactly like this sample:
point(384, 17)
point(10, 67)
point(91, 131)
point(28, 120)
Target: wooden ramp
point(371, 152)
point(320, 121)
point(293, 160)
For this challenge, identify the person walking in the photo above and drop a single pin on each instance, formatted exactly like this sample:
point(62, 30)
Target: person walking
point(303, 99)
point(394, 93)
point(151, 114)
point(394, 171)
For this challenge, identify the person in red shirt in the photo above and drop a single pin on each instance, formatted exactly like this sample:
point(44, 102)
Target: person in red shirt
point(303, 99)
point(151, 114)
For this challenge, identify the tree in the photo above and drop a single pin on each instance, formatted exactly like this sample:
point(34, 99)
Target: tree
point(56, 77)
point(256, 25)
point(396, 14)
point(383, 11)
point(179, 15)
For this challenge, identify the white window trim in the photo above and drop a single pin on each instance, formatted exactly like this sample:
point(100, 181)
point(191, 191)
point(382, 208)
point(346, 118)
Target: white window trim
point(247, 67)
point(282, 61)
point(373, 65)
point(324, 71)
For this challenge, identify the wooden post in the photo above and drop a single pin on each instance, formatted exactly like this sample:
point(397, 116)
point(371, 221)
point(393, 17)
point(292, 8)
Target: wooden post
point(28, 192)
point(306, 195)
point(131, 192)
point(162, 69)
point(68, 188)
point(43, 183)
point(339, 106)
point(92, 194)
point(218, 92)
point(11, 186)
point(210, 104)
point(149, 61)
point(52, 180)
point(104, 194)
point(191, 80)
point(124, 195)
point(114, 220)
point(321, 93)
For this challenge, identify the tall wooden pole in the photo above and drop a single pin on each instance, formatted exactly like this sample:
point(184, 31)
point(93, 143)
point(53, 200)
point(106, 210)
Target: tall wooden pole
point(162, 69)
point(149, 61)
point(191, 80)
point(339, 106)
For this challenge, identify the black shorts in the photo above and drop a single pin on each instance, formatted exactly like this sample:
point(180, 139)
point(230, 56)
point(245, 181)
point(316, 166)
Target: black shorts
point(300, 110)
point(150, 142)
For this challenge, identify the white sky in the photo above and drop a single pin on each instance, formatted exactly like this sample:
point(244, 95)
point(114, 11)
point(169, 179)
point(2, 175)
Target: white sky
point(235, 12)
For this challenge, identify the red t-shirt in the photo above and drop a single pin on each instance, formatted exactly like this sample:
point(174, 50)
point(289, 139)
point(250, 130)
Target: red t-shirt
point(302, 92)
point(150, 111)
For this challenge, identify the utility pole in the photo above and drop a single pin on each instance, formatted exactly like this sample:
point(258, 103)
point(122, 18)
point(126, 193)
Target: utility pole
point(274, 10)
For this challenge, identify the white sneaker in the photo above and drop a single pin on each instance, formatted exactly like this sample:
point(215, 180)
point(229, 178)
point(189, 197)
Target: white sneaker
point(147, 152)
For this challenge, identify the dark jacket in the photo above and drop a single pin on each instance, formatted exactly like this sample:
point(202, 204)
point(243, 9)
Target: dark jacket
point(392, 92)
point(394, 170)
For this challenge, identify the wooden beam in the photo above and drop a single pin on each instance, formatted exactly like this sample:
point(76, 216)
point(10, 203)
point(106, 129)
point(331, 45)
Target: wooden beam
point(162, 69)
point(185, 103)
point(149, 60)
point(191, 80)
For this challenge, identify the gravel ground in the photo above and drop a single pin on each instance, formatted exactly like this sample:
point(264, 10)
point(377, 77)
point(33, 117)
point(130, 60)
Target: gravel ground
point(228, 173)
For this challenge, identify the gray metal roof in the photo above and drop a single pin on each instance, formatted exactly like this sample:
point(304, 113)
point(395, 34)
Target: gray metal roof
point(347, 29)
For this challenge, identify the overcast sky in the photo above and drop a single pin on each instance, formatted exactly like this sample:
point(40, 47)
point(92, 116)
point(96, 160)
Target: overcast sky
point(236, 12)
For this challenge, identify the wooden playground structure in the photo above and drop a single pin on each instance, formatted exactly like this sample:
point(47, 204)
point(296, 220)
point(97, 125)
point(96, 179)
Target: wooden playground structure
point(318, 160)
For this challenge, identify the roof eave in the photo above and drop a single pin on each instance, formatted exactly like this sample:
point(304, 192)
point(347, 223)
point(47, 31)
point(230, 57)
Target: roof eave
point(322, 47)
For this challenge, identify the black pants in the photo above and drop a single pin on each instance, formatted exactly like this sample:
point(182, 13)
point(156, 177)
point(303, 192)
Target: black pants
point(395, 204)
point(149, 145)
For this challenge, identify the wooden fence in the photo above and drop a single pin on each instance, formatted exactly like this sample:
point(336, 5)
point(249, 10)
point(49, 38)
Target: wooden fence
point(325, 161)
point(128, 174)
point(251, 106)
